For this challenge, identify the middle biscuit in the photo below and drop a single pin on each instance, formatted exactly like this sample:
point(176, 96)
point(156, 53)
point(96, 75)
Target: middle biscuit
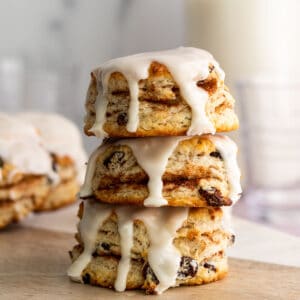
point(197, 171)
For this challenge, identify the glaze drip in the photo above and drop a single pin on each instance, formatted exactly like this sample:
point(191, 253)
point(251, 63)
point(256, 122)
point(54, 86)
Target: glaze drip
point(93, 217)
point(125, 228)
point(21, 146)
point(228, 150)
point(152, 155)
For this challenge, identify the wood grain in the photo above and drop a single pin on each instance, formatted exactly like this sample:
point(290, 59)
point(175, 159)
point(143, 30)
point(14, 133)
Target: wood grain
point(33, 265)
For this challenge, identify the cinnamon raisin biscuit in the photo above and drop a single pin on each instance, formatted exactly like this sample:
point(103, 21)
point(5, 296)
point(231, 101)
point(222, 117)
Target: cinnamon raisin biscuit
point(163, 108)
point(196, 172)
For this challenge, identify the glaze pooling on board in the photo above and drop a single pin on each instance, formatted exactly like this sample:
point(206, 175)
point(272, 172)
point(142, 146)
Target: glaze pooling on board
point(187, 66)
point(152, 155)
point(21, 146)
point(93, 217)
point(228, 150)
point(59, 136)
point(161, 224)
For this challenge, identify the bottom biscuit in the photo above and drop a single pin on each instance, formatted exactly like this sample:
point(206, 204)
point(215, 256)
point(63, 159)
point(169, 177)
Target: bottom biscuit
point(127, 247)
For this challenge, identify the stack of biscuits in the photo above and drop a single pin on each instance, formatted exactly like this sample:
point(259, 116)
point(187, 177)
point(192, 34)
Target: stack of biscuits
point(42, 162)
point(158, 190)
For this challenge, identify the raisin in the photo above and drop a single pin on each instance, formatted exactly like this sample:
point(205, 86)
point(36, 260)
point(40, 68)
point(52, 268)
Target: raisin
point(232, 239)
point(188, 268)
point(1, 162)
point(216, 154)
point(209, 85)
point(149, 274)
point(210, 267)
point(86, 278)
point(49, 180)
point(214, 198)
point(122, 119)
point(54, 164)
point(175, 89)
point(70, 254)
point(116, 157)
point(87, 197)
point(105, 246)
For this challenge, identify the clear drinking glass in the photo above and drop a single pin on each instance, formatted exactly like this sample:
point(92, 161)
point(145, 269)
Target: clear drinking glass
point(270, 126)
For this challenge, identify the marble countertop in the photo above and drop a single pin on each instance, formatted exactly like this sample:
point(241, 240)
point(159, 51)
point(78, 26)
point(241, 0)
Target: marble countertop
point(253, 241)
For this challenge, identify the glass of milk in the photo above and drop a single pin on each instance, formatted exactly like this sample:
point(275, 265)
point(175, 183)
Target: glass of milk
point(250, 38)
point(270, 127)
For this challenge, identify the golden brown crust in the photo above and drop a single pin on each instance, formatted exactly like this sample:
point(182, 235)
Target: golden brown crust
point(9, 175)
point(22, 193)
point(15, 211)
point(64, 166)
point(102, 271)
point(195, 176)
point(63, 194)
point(162, 110)
point(30, 186)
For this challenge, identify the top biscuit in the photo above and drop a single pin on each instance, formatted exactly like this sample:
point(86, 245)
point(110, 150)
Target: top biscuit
point(169, 93)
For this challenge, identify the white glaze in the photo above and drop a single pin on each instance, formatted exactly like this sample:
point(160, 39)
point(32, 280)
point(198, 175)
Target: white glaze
point(125, 228)
point(187, 66)
point(86, 189)
point(21, 146)
point(101, 104)
point(161, 224)
point(152, 155)
point(227, 219)
point(59, 136)
point(93, 217)
point(163, 257)
point(228, 151)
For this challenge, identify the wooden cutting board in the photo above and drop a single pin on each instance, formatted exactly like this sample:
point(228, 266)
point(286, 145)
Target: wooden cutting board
point(33, 265)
